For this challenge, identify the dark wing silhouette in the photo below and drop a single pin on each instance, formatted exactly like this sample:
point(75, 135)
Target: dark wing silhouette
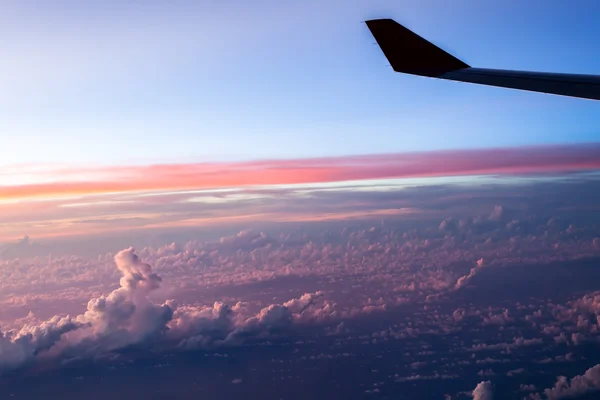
point(409, 53)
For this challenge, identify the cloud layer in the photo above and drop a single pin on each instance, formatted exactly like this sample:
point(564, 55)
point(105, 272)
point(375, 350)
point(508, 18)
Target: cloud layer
point(82, 181)
point(69, 202)
point(495, 283)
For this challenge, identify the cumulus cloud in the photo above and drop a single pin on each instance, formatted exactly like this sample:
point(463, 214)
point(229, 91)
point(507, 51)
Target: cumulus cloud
point(201, 326)
point(24, 247)
point(448, 225)
point(465, 279)
point(564, 388)
point(127, 316)
point(20, 347)
point(527, 388)
point(483, 391)
point(297, 306)
point(272, 318)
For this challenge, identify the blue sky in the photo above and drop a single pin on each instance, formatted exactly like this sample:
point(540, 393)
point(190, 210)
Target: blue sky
point(184, 81)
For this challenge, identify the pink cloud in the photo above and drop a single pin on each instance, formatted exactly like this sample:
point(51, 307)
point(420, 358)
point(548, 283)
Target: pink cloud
point(85, 181)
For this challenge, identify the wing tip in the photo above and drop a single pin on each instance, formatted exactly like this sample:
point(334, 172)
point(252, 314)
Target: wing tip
point(408, 52)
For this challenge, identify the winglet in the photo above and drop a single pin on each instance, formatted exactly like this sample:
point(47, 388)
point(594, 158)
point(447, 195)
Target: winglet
point(409, 53)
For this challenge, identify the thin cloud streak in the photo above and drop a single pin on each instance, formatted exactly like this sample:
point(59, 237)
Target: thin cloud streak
point(136, 223)
point(105, 180)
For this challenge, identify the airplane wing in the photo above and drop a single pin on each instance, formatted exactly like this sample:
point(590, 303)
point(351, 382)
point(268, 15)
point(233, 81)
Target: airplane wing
point(409, 53)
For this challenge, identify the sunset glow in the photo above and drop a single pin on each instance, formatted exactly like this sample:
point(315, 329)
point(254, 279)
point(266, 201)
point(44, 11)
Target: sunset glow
point(127, 179)
point(64, 201)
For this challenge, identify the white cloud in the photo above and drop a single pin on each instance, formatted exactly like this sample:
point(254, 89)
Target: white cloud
point(483, 391)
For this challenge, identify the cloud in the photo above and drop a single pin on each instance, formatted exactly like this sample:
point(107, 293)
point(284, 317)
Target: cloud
point(466, 207)
point(297, 306)
point(201, 326)
point(24, 247)
point(378, 286)
point(483, 391)
point(527, 388)
point(20, 347)
point(514, 372)
point(346, 274)
point(256, 256)
point(128, 317)
point(541, 159)
point(497, 213)
point(564, 388)
point(417, 377)
point(465, 279)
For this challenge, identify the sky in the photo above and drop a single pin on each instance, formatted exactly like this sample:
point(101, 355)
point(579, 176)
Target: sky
point(120, 83)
